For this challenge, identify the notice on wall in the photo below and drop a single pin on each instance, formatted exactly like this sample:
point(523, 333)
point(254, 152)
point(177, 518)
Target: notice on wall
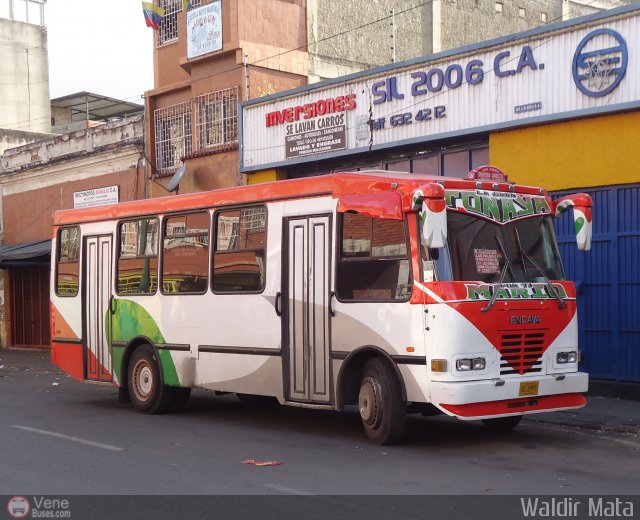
point(204, 29)
point(96, 197)
point(487, 261)
point(321, 135)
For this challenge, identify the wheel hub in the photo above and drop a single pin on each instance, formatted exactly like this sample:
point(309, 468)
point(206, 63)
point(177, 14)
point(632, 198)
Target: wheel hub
point(369, 402)
point(142, 380)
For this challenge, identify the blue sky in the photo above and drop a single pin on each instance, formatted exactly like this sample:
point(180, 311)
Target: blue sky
point(102, 47)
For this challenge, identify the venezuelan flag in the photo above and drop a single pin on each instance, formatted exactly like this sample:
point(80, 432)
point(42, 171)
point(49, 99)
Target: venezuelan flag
point(153, 14)
point(186, 5)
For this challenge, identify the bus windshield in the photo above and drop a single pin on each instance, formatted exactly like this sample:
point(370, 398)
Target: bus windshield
point(480, 249)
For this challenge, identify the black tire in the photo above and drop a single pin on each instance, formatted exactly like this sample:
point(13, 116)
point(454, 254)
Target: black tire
point(180, 399)
point(382, 410)
point(257, 401)
point(502, 424)
point(144, 382)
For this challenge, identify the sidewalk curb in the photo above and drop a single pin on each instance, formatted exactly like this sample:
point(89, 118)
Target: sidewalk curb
point(594, 425)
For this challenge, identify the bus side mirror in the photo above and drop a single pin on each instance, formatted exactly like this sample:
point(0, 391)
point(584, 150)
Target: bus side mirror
point(581, 203)
point(429, 201)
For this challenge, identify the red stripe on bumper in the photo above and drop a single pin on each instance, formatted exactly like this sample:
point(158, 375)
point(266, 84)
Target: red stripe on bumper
point(511, 406)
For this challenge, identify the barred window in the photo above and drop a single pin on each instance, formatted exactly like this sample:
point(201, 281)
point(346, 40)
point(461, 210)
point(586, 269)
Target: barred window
point(173, 136)
point(217, 118)
point(168, 30)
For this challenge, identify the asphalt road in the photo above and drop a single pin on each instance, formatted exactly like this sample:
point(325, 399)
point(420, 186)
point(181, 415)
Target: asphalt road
point(59, 436)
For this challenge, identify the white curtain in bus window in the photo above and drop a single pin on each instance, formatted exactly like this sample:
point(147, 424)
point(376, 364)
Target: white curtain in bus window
point(185, 251)
point(68, 265)
point(238, 261)
point(138, 257)
point(373, 264)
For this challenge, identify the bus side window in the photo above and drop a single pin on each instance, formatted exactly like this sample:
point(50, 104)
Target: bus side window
point(68, 262)
point(239, 256)
point(138, 257)
point(373, 263)
point(185, 253)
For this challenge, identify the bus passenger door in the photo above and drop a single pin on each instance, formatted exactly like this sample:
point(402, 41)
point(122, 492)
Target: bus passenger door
point(307, 273)
point(96, 294)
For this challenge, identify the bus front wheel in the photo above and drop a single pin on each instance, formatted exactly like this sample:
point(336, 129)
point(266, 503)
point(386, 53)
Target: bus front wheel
point(146, 390)
point(382, 410)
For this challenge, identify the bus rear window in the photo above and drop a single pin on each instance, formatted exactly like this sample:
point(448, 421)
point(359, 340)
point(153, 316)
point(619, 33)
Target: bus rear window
point(373, 263)
point(68, 262)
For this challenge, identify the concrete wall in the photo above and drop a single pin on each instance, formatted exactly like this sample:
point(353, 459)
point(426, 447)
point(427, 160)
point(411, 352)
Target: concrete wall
point(24, 69)
point(597, 151)
point(15, 138)
point(44, 153)
point(367, 47)
point(466, 21)
point(439, 25)
point(50, 171)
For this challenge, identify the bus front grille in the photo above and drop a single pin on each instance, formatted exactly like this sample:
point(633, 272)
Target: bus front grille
point(521, 352)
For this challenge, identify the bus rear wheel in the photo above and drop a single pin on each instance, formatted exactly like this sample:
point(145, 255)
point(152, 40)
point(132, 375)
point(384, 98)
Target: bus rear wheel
point(144, 381)
point(382, 410)
point(502, 424)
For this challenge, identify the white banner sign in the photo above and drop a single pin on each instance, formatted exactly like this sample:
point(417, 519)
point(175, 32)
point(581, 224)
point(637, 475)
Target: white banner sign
point(585, 70)
point(204, 30)
point(96, 197)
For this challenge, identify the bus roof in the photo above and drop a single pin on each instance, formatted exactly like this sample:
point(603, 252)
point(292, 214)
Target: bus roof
point(334, 184)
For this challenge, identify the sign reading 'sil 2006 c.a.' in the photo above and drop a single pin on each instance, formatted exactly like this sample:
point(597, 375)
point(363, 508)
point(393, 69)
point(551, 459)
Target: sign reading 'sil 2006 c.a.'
point(497, 84)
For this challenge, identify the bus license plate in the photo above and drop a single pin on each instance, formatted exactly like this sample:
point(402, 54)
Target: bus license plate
point(529, 388)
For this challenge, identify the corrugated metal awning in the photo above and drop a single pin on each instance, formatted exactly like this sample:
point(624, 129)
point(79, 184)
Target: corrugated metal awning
point(27, 253)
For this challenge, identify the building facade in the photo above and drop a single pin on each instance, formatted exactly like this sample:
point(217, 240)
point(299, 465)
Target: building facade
point(557, 107)
point(99, 165)
point(206, 60)
point(371, 34)
point(25, 113)
point(219, 53)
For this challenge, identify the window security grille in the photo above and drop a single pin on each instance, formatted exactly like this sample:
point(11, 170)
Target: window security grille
point(173, 136)
point(216, 124)
point(217, 118)
point(168, 30)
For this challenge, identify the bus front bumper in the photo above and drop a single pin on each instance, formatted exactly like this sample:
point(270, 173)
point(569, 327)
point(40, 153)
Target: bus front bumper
point(491, 398)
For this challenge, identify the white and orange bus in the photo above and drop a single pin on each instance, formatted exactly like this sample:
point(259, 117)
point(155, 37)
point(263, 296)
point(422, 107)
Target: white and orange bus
point(393, 292)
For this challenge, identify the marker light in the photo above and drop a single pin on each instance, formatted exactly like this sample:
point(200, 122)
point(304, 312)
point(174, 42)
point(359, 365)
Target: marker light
point(487, 173)
point(438, 365)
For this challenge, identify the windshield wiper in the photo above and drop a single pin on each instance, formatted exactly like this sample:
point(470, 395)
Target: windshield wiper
point(507, 267)
point(550, 287)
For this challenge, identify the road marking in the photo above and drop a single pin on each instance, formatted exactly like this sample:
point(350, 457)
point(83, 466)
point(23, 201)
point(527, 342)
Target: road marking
point(69, 438)
point(287, 490)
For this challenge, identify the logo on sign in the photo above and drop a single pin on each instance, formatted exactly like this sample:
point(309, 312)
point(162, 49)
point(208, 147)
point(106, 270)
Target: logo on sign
point(600, 62)
point(18, 507)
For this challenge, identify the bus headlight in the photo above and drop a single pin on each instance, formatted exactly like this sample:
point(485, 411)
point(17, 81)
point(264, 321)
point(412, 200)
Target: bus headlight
point(469, 364)
point(562, 358)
